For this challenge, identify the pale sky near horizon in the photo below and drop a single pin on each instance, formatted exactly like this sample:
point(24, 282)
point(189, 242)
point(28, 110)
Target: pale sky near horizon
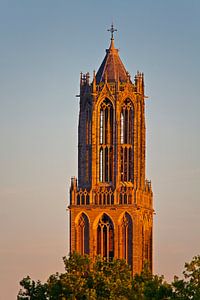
point(44, 45)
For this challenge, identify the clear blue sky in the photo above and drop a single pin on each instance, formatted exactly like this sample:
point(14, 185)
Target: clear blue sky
point(43, 47)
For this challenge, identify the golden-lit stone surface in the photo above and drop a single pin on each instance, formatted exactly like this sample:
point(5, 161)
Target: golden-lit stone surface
point(111, 205)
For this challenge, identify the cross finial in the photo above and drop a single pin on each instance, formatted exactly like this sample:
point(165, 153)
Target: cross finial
point(112, 30)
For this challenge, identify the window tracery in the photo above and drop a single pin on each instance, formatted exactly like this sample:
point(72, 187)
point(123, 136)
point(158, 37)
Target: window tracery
point(82, 235)
point(147, 243)
point(106, 141)
point(127, 140)
point(127, 235)
point(105, 237)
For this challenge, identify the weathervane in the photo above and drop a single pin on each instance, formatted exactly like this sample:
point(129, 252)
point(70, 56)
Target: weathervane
point(112, 30)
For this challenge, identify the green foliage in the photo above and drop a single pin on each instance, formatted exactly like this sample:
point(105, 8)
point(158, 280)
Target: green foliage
point(32, 290)
point(112, 280)
point(189, 287)
point(147, 286)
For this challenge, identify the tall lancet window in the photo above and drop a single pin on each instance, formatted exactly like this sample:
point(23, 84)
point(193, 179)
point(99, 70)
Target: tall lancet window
point(127, 140)
point(82, 235)
point(148, 245)
point(105, 237)
point(88, 132)
point(88, 125)
point(106, 142)
point(127, 236)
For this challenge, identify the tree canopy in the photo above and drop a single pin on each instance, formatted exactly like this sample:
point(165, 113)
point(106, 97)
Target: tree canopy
point(102, 279)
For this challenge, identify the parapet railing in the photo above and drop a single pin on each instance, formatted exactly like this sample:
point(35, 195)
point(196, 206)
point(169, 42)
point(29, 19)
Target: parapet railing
point(104, 195)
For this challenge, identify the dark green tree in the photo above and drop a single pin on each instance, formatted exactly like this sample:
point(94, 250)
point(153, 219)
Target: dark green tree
point(189, 287)
point(32, 290)
point(73, 284)
point(111, 280)
point(147, 286)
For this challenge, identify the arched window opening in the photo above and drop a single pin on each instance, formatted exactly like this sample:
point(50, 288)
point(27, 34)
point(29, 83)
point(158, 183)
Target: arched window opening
point(106, 122)
point(82, 199)
point(122, 128)
point(143, 259)
point(127, 122)
point(127, 236)
point(147, 243)
point(78, 199)
point(88, 139)
point(150, 250)
point(88, 125)
point(112, 199)
point(148, 246)
point(104, 199)
point(125, 199)
point(101, 164)
point(127, 141)
point(106, 164)
point(146, 249)
point(101, 126)
point(100, 199)
point(110, 163)
point(105, 237)
point(82, 243)
point(106, 141)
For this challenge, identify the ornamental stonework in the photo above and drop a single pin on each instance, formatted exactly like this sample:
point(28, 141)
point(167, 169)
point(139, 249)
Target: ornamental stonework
point(111, 203)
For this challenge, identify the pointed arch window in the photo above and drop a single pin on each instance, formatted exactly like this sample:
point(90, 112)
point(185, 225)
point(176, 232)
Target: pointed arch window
point(106, 141)
point(127, 140)
point(147, 245)
point(105, 237)
point(82, 235)
point(146, 242)
point(88, 125)
point(86, 151)
point(101, 164)
point(127, 237)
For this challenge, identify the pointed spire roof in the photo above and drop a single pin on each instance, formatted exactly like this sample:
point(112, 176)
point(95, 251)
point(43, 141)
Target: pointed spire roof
point(112, 67)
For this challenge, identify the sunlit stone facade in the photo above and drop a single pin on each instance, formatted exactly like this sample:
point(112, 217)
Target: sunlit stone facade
point(111, 204)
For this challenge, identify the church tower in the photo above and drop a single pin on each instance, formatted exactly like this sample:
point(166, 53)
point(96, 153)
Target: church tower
point(111, 204)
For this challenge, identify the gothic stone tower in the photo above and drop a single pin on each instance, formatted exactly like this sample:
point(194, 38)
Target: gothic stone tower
point(111, 211)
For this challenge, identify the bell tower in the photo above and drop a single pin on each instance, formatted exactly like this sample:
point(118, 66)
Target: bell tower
point(111, 204)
